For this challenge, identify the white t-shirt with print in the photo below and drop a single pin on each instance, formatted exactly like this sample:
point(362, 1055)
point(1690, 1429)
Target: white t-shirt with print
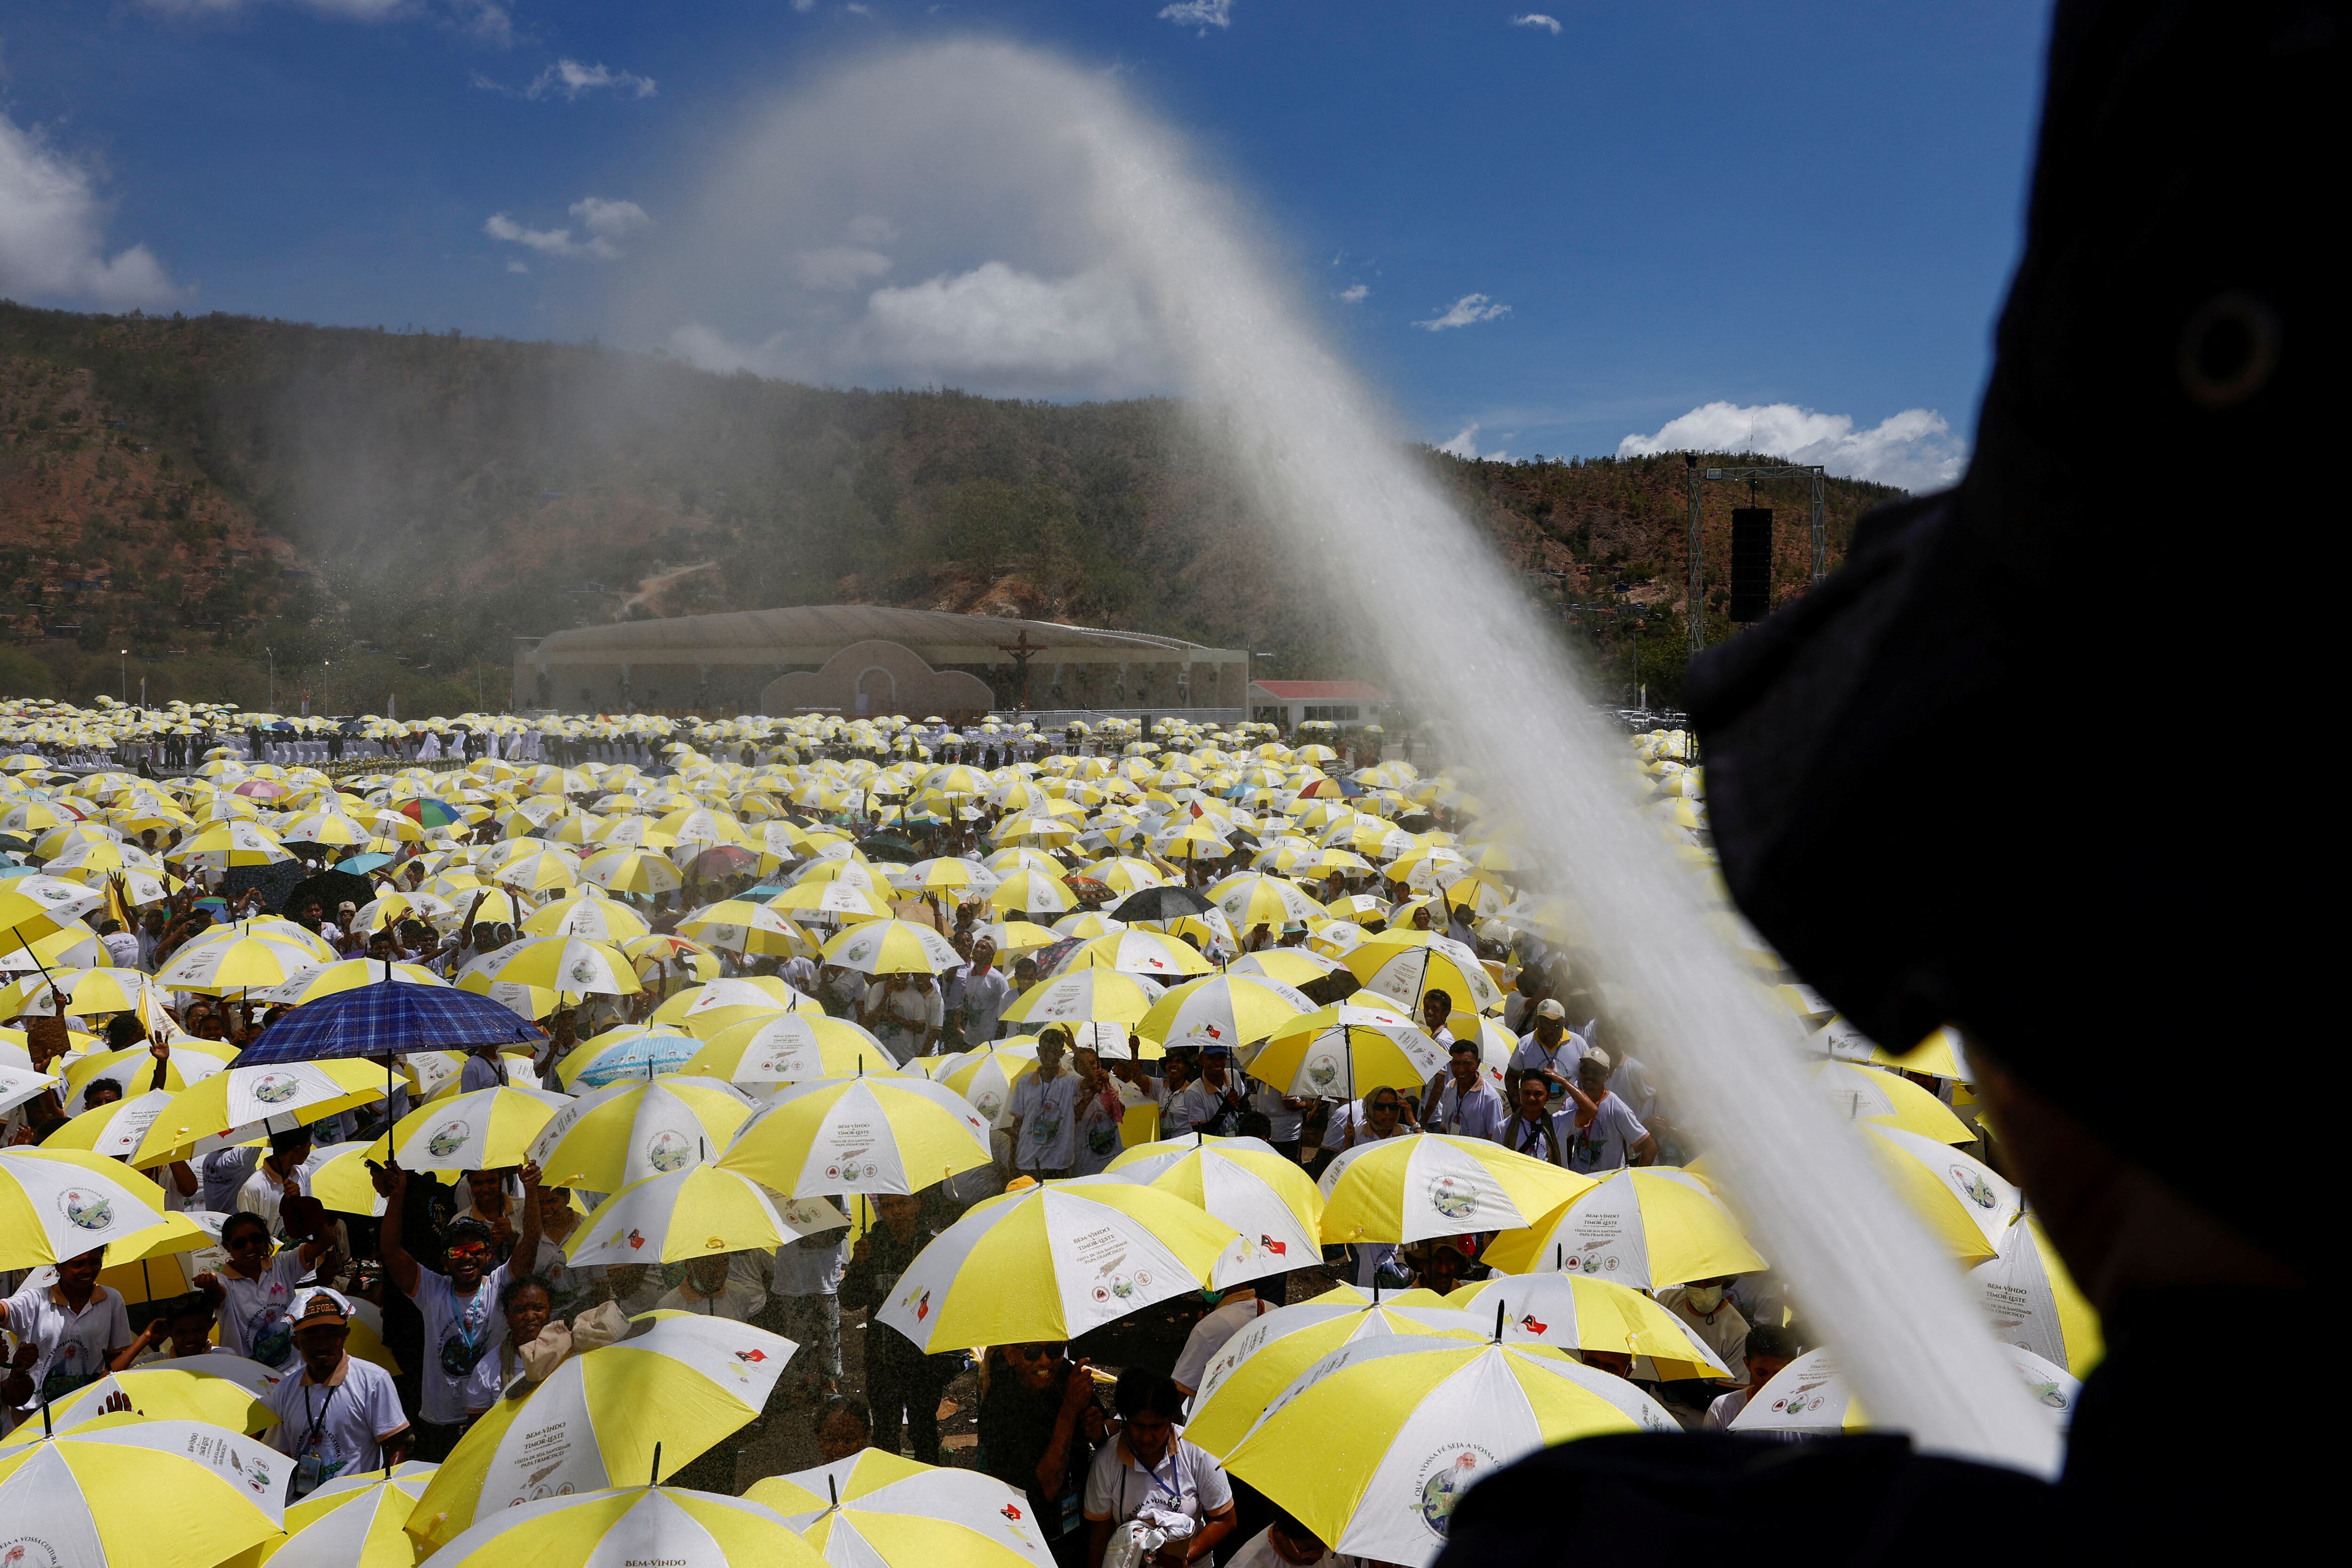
point(1608, 1143)
point(256, 1314)
point(450, 1327)
point(345, 1420)
point(1186, 1481)
point(1046, 1129)
point(71, 1344)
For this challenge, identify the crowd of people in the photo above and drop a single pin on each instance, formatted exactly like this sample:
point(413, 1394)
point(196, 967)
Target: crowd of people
point(1342, 884)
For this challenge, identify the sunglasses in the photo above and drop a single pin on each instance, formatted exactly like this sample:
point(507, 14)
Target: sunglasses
point(468, 1249)
point(1034, 1352)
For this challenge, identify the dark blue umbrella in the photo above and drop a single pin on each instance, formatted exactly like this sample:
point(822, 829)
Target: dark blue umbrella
point(393, 1017)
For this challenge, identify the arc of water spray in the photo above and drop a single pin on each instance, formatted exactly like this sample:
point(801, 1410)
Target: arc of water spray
point(1318, 456)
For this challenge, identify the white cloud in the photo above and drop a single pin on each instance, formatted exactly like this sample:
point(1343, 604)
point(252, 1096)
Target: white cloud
point(857, 9)
point(1465, 445)
point(1913, 449)
point(839, 266)
point(569, 79)
point(1003, 325)
point(607, 222)
point(513, 265)
point(1467, 310)
point(52, 232)
point(1355, 293)
point(1538, 19)
point(705, 347)
point(1201, 13)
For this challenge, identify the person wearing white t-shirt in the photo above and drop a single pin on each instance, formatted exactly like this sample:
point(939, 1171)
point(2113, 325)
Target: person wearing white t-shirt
point(1237, 1308)
point(1461, 1101)
point(1045, 1111)
point(283, 1173)
point(1550, 1050)
point(1536, 1130)
point(1150, 1471)
point(981, 995)
point(1184, 1104)
point(254, 1295)
point(1287, 1543)
point(714, 1288)
point(338, 1416)
point(904, 1012)
point(67, 1333)
point(463, 1324)
point(1768, 1352)
point(1608, 1136)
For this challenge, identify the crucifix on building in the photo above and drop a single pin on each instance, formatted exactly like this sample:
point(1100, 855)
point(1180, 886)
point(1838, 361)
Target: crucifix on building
point(1023, 650)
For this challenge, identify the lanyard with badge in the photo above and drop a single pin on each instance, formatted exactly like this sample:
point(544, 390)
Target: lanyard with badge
point(312, 1466)
point(462, 1349)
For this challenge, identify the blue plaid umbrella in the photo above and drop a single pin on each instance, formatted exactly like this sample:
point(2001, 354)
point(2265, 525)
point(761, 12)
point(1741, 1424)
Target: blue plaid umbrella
point(390, 1016)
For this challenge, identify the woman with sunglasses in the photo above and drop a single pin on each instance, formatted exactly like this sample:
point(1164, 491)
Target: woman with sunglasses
point(252, 1296)
point(463, 1325)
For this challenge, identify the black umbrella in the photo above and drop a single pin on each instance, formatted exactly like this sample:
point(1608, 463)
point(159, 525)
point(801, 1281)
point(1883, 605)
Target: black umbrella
point(275, 881)
point(889, 847)
point(329, 888)
point(1160, 904)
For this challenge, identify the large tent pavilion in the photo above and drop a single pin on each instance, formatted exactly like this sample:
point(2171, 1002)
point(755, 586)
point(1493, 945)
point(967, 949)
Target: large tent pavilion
point(869, 659)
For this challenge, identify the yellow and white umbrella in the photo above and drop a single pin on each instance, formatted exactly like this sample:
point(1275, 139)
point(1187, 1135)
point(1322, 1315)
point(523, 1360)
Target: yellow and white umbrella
point(597, 918)
point(187, 1061)
point(836, 900)
point(87, 991)
point(1406, 965)
point(228, 1108)
point(1052, 1260)
point(987, 1077)
point(57, 1204)
point(1812, 1394)
point(1271, 1350)
point(481, 1130)
point(1423, 1184)
point(1345, 1051)
point(565, 963)
point(2033, 1303)
point(1968, 1205)
point(1869, 1094)
point(1425, 1419)
point(355, 1521)
point(551, 868)
point(1581, 1314)
point(875, 1510)
point(883, 1133)
point(791, 1047)
point(1148, 953)
point(237, 959)
point(1255, 899)
point(892, 947)
point(186, 1389)
point(234, 842)
point(158, 1494)
point(686, 1381)
point(1293, 966)
point(1245, 1184)
point(1091, 996)
point(348, 975)
point(1648, 1228)
point(1032, 893)
point(698, 1211)
point(627, 871)
point(707, 1010)
point(739, 925)
point(628, 1131)
point(633, 1526)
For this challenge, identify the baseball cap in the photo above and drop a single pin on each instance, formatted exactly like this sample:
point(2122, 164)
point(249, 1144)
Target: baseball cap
point(1549, 1007)
point(320, 1308)
point(1597, 1058)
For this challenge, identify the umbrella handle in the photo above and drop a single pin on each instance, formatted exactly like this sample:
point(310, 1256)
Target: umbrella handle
point(657, 1476)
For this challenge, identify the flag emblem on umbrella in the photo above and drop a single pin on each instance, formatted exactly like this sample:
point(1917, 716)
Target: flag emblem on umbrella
point(752, 1355)
point(1279, 1249)
point(1011, 1511)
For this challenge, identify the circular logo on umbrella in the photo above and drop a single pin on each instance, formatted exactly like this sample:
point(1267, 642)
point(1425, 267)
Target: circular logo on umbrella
point(1977, 1190)
point(1322, 1069)
point(1456, 1197)
point(27, 1551)
point(989, 1103)
point(90, 1211)
point(583, 971)
point(271, 1087)
point(667, 1150)
point(1444, 1476)
point(447, 1139)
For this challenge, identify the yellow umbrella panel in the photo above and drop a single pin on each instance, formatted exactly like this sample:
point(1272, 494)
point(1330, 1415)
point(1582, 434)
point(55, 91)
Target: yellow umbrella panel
point(1272, 1350)
point(1647, 1228)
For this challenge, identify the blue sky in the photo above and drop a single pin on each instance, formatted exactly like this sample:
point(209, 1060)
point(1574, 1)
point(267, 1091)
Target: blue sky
point(1788, 222)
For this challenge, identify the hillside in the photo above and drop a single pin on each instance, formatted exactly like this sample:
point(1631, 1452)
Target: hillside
point(387, 511)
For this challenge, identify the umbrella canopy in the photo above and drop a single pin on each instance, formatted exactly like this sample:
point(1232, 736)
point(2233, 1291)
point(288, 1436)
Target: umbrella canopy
point(706, 1010)
point(572, 963)
point(1344, 1051)
point(1270, 1352)
point(599, 920)
point(1406, 965)
point(628, 1131)
point(247, 1101)
point(893, 1512)
point(1148, 953)
point(633, 1051)
point(892, 947)
point(681, 1382)
point(355, 1521)
point(878, 1134)
point(160, 1494)
point(1255, 899)
point(235, 959)
point(1969, 1205)
point(396, 1017)
point(186, 1061)
point(1812, 1394)
point(2033, 1303)
point(791, 1047)
point(57, 1204)
point(1426, 1418)
point(1246, 1184)
point(1425, 1184)
point(1091, 996)
point(632, 1525)
point(739, 925)
point(1052, 1260)
point(349, 976)
point(627, 871)
point(1158, 901)
point(186, 1390)
point(988, 1077)
point(1867, 1094)
point(693, 1213)
point(1647, 1228)
point(1579, 1314)
point(482, 1129)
